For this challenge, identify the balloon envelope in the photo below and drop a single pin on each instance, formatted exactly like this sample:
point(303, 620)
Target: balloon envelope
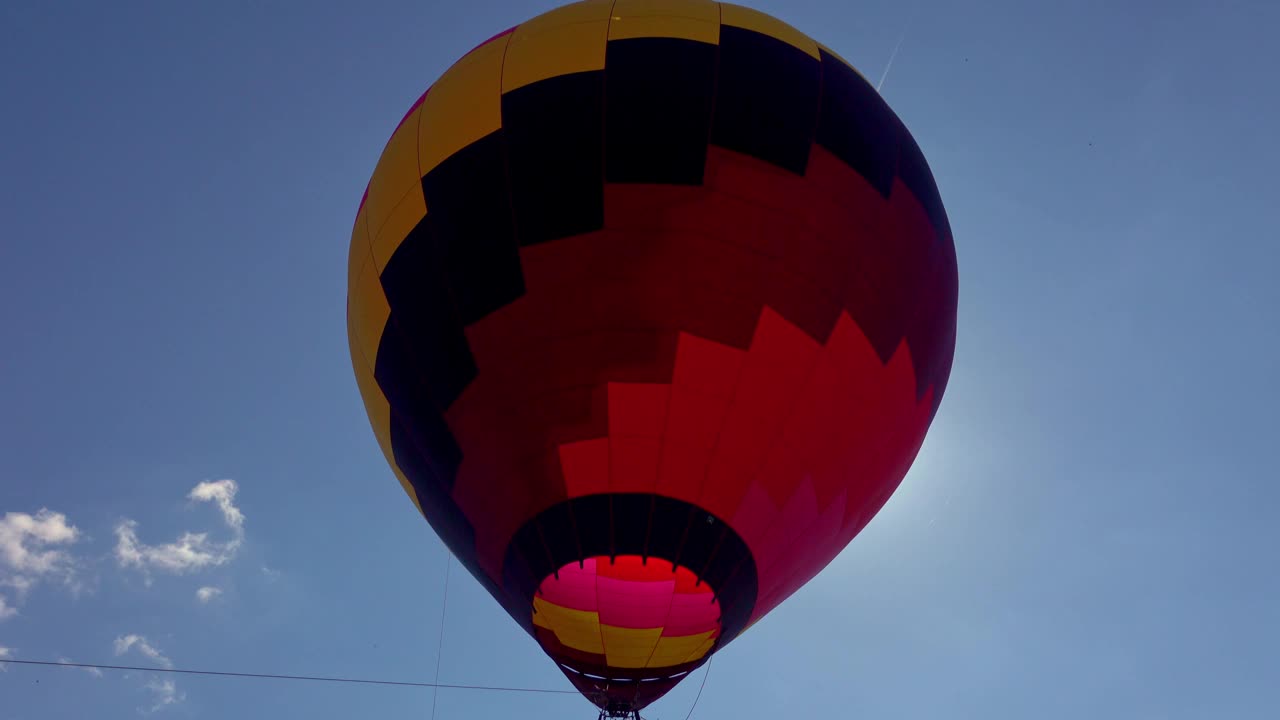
point(651, 305)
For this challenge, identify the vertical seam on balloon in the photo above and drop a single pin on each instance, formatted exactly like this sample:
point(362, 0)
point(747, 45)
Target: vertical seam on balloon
point(808, 376)
point(604, 103)
point(391, 320)
point(604, 140)
point(515, 238)
point(393, 416)
point(662, 438)
point(423, 456)
point(853, 277)
point(688, 523)
point(919, 301)
point(662, 444)
point(604, 649)
point(701, 572)
point(787, 416)
point(604, 160)
point(573, 517)
point(670, 603)
point(817, 117)
point(715, 92)
point(551, 560)
point(813, 139)
point(706, 161)
point(506, 159)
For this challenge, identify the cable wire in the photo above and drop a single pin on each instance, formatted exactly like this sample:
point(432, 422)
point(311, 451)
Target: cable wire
point(268, 676)
point(444, 605)
point(704, 684)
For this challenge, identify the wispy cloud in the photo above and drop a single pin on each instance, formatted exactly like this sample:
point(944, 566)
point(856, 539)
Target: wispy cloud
point(191, 551)
point(91, 670)
point(207, 593)
point(164, 691)
point(222, 492)
point(5, 653)
point(125, 643)
point(33, 549)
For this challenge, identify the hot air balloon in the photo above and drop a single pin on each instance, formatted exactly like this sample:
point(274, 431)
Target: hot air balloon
point(651, 305)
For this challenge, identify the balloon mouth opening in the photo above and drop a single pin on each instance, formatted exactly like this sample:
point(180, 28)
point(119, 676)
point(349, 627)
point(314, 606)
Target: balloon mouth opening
point(626, 618)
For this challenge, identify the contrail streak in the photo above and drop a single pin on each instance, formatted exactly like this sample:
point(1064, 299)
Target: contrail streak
point(896, 47)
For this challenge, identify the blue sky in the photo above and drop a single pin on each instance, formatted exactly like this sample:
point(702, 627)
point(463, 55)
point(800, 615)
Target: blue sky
point(1087, 530)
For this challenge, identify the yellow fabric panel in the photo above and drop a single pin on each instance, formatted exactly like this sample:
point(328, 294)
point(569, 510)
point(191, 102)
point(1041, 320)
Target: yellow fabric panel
point(629, 647)
point(566, 40)
point(379, 411)
point(701, 650)
point(748, 19)
point(397, 171)
point(676, 650)
point(358, 251)
point(578, 629)
point(687, 19)
point(368, 312)
point(404, 481)
point(375, 403)
point(462, 106)
point(406, 214)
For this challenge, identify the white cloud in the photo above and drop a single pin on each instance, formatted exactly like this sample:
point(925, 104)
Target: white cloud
point(91, 670)
point(4, 653)
point(125, 643)
point(32, 549)
point(191, 551)
point(207, 593)
point(164, 690)
point(166, 693)
point(222, 492)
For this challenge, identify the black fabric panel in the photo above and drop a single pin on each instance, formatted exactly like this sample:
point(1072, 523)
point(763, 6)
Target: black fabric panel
point(931, 335)
point(469, 217)
point(631, 523)
point(666, 530)
point(424, 341)
point(420, 465)
point(658, 110)
point(557, 534)
point(554, 137)
point(518, 571)
point(766, 98)
point(397, 373)
point(591, 513)
point(700, 539)
point(856, 125)
point(914, 171)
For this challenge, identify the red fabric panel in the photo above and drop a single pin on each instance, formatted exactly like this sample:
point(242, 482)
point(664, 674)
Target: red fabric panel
point(585, 465)
point(723, 345)
point(637, 409)
point(779, 359)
